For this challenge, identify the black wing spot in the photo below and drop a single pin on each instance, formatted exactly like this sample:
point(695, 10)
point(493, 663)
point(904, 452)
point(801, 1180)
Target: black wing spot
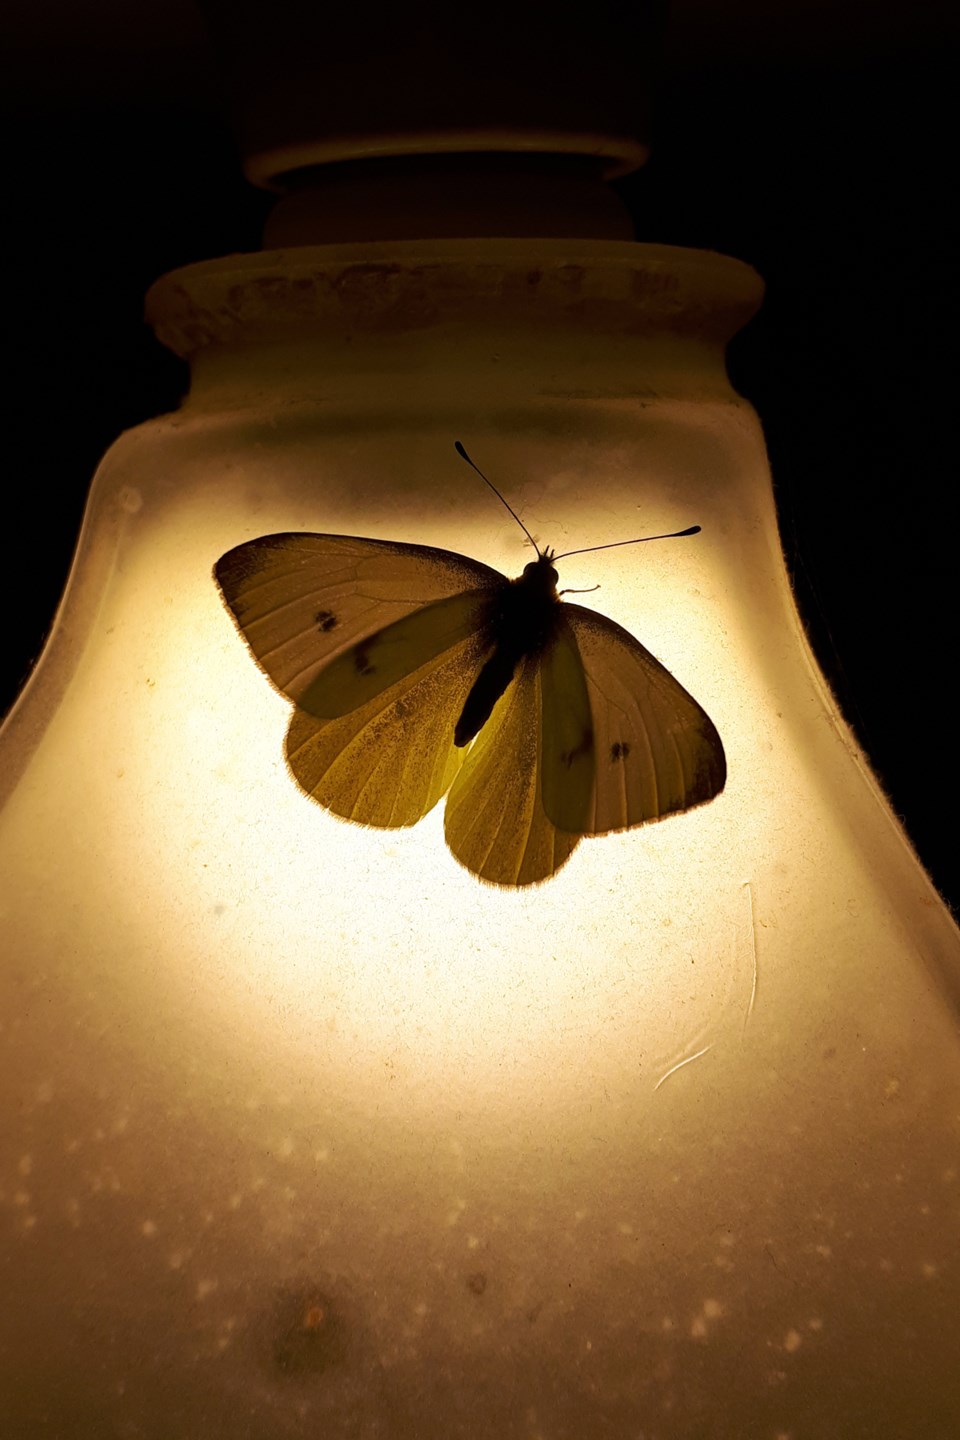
point(619, 750)
point(325, 620)
point(361, 663)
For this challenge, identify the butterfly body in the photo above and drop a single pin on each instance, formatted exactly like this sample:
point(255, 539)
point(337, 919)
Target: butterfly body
point(521, 622)
point(416, 672)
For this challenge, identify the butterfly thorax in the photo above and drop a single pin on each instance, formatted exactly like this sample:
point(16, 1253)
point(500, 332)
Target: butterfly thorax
point(540, 574)
point(521, 620)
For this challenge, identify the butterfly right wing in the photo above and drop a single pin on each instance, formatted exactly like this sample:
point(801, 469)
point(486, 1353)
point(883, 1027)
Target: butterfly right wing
point(640, 747)
point(494, 820)
point(302, 600)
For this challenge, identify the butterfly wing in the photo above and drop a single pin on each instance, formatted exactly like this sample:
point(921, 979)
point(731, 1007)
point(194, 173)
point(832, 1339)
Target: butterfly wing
point(390, 760)
point(375, 664)
point(644, 750)
point(301, 600)
point(377, 643)
point(494, 820)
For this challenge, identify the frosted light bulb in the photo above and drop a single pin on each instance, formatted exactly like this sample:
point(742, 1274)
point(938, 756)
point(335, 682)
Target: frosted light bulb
point(308, 1129)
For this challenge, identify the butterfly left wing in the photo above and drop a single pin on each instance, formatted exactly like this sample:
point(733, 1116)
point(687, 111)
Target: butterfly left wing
point(388, 761)
point(641, 749)
point(301, 600)
point(373, 665)
point(377, 643)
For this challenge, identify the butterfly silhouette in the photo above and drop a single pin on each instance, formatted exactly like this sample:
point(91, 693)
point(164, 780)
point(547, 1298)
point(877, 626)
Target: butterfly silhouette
point(417, 671)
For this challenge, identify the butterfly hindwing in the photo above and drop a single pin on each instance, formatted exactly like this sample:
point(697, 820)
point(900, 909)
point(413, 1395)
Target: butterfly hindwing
point(656, 751)
point(389, 761)
point(301, 600)
point(494, 820)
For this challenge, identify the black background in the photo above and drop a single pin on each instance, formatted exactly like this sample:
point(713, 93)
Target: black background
point(829, 168)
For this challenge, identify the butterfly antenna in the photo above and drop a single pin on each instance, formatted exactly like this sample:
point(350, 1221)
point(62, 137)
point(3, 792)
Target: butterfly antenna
point(464, 456)
point(588, 549)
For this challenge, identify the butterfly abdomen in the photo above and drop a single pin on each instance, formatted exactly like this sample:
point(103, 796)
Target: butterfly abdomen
point(522, 620)
point(493, 679)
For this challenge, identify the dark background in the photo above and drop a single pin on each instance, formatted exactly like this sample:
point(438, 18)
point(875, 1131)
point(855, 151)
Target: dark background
point(813, 140)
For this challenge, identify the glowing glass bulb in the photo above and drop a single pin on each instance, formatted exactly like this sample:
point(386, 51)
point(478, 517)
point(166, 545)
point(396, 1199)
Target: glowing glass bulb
point(309, 1128)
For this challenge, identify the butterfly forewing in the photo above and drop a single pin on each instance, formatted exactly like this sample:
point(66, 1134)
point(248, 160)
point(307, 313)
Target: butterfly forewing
point(376, 663)
point(656, 750)
point(568, 765)
point(301, 600)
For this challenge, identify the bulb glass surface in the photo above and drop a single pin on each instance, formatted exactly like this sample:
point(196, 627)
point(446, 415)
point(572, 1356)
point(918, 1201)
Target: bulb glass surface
point(314, 1128)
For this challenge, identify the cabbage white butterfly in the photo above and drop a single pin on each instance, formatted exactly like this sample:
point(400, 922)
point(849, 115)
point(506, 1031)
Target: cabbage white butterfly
point(417, 671)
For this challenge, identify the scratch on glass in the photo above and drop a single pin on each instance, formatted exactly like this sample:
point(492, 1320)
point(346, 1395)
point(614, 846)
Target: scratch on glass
point(680, 1064)
point(753, 936)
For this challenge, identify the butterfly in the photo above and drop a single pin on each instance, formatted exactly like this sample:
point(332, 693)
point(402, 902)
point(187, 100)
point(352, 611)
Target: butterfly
point(417, 671)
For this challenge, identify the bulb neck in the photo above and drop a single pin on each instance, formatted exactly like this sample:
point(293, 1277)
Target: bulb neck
point(453, 196)
point(311, 84)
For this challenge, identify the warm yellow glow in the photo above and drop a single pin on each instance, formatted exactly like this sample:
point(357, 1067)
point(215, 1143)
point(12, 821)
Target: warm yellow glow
point(307, 908)
point(306, 1057)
